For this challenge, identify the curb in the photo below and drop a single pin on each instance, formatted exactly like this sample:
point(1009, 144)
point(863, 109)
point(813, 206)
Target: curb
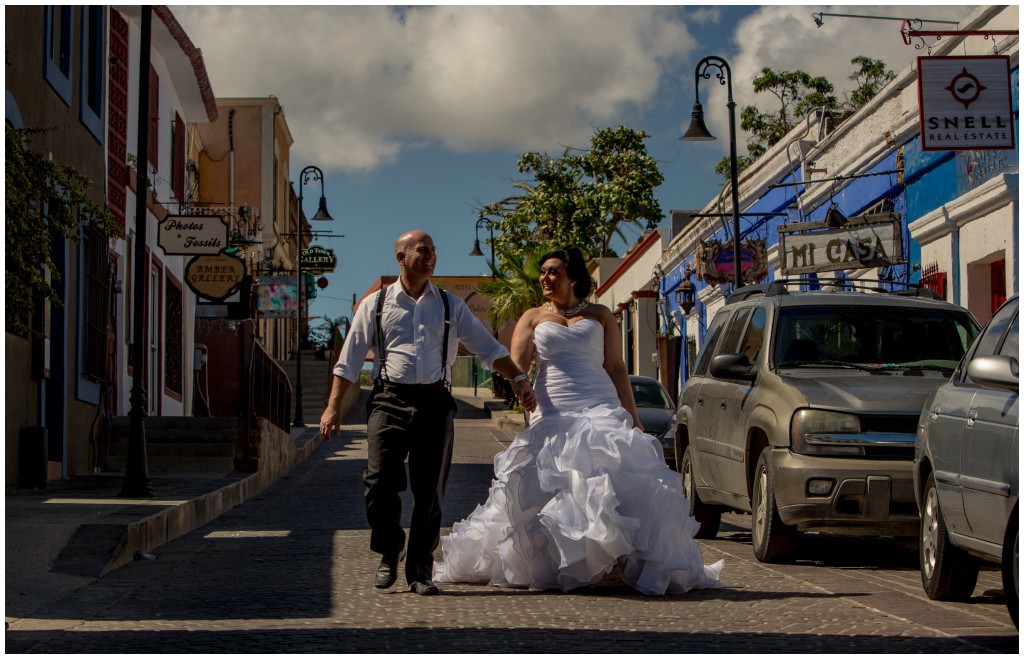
point(171, 523)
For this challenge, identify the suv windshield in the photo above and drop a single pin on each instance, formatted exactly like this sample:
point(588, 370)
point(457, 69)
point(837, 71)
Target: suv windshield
point(874, 335)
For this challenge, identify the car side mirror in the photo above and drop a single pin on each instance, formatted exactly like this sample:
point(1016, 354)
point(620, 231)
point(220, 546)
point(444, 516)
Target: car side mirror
point(733, 366)
point(997, 371)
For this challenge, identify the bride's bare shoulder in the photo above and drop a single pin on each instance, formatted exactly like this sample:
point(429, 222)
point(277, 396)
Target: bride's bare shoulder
point(599, 312)
point(530, 316)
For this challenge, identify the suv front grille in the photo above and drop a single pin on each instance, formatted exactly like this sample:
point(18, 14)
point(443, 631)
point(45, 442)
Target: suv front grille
point(890, 424)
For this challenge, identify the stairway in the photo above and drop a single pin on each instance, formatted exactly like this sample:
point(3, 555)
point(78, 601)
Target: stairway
point(316, 374)
point(180, 445)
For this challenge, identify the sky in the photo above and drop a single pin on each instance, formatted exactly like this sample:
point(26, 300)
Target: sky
point(418, 114)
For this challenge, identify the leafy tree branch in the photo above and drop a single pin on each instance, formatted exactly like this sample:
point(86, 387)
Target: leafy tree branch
point(44, 201)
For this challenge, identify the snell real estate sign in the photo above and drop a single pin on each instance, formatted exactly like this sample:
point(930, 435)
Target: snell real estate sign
point(965, 103)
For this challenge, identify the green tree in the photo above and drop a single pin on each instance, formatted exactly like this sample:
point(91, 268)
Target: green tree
point(870, 77)
point(582, 197)
point(798, 92)
point(31, 227)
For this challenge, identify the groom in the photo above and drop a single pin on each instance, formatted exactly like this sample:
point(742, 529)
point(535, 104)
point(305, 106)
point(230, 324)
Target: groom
point(415, 329)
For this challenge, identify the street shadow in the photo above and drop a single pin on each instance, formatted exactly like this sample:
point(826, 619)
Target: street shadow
point(334, 636)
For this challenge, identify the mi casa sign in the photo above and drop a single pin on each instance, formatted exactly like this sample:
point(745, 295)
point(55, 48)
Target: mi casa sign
point(866, 242)
point(965, 103)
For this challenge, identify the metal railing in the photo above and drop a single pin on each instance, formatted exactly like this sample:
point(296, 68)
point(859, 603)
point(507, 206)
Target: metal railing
point(268, 390)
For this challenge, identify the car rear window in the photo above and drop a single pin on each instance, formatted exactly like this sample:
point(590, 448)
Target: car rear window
point(876, 335)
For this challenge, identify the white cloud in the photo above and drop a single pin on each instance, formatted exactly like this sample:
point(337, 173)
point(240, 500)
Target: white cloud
point(785, 38)
point(360, 84)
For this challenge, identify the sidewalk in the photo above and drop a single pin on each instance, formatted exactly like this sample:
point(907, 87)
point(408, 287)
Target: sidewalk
point(75, 531)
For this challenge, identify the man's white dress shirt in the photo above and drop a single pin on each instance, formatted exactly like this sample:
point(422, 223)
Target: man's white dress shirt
point(414, 331)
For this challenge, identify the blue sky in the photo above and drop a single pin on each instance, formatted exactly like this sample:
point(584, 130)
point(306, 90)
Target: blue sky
point(418, 115)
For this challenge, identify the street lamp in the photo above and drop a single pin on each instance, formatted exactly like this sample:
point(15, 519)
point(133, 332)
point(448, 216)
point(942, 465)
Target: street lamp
point(476, 243)
point(310, 173)
point(698, 132)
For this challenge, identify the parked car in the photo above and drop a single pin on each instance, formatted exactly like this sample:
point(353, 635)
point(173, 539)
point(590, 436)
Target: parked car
point(657, 412)
point(802, 409)
point(966, 466)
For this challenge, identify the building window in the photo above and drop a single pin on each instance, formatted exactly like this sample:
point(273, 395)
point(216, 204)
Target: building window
point(154, 117)
point(934, 280)
point(178, 158)
point(57, 54)
point(93, 67)
point(96, 307)
point(173, 354)
point(117, 112)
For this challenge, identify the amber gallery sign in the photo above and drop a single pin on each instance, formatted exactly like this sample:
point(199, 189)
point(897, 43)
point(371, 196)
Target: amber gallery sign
point(965, 103)
point(872, 241)
point(191, 235)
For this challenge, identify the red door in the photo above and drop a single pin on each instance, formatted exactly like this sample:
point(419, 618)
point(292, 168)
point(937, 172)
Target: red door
point(998, 272)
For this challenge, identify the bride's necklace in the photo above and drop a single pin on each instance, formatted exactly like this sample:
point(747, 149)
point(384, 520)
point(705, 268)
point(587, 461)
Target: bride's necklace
point(567, 313)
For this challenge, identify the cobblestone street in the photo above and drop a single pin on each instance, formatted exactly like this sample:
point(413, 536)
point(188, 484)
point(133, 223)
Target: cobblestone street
point(290, 571)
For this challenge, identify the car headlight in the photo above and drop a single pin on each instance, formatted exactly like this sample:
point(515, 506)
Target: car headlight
point(669, 433)
point(818, 432)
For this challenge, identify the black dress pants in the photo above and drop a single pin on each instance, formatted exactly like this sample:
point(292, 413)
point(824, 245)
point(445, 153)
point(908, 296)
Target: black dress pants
point(414, 421)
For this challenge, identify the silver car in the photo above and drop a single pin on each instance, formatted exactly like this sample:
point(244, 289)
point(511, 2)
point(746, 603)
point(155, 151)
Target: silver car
point(966, 466)
point(657, 412)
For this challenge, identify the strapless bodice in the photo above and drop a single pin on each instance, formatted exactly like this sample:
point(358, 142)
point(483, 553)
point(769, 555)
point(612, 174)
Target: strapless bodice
point(570, 367)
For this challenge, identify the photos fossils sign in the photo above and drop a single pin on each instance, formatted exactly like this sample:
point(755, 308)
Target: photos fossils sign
point(190, 235)
point(215, 278)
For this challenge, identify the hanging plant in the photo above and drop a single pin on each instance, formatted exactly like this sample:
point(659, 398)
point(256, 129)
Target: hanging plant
point(32, 226)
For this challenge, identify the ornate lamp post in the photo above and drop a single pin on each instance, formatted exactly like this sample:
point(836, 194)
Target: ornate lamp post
point(476, 243)
point(698, 132)
point(310, 173)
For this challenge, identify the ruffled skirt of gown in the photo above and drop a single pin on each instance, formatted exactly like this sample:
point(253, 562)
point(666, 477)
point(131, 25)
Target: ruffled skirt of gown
point(576, 498)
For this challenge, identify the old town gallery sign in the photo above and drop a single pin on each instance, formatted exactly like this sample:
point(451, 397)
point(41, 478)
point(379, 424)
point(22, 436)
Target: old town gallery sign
point(966, 103)
point(868, 241)
point(317, 260)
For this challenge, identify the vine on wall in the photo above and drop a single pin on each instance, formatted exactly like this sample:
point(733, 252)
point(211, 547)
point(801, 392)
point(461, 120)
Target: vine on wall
point(44, 201)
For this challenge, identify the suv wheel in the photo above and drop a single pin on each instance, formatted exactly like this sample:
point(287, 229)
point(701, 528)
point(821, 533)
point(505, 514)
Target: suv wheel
point(1010, 578)
point(774, 541)
point(947, 572)
point(709, 517)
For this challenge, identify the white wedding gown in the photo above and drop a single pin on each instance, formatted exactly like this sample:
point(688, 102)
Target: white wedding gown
point(580, 495)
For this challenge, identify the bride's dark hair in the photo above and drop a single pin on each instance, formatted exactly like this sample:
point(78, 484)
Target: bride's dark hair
point(575, 268)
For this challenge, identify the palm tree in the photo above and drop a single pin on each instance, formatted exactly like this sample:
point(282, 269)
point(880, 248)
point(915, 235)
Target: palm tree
point(517, 288)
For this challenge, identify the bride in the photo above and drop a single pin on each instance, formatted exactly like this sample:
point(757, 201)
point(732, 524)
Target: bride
point(582, 494)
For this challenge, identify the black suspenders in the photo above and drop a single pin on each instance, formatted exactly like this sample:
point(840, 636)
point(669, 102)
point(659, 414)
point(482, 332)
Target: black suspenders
point(382, 374)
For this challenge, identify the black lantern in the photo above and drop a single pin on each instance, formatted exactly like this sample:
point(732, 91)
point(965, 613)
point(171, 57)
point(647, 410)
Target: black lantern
point(686, 293)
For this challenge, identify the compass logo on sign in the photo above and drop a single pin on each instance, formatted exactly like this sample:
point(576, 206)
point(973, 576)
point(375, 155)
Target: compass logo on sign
point(965, 88)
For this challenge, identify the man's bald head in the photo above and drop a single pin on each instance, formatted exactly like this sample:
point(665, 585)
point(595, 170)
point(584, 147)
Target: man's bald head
point(409, 239)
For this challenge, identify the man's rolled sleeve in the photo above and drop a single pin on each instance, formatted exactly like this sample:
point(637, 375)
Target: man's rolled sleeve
point(357, 344)
point(477, 338)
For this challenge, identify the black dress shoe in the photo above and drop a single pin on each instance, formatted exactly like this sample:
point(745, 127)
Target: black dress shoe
point(425, 587)
point(387, 571)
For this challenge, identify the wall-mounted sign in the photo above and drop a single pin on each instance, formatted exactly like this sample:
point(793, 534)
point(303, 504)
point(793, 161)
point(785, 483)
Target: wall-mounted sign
point(866, 242)
point(716, 262)
point(318, 260)
point(193, 234)
point(215, 278)
point(965, 103)
point(276, 298)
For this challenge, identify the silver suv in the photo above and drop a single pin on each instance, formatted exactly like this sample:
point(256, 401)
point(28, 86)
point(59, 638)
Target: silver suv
point(802, 409)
